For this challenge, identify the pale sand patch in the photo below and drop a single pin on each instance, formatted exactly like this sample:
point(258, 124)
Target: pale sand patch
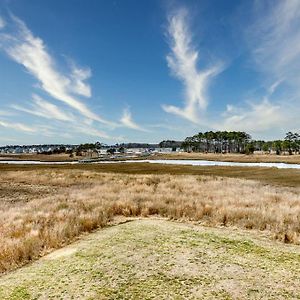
point(67, 251)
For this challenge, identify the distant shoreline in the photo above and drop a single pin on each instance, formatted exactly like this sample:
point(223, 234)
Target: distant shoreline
point(240, 158)
point(177, 162)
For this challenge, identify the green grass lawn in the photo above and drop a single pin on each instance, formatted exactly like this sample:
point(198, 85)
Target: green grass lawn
point(159, 259)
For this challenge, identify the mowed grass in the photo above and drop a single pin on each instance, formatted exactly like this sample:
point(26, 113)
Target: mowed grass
point(47, 208)
point(159, 259)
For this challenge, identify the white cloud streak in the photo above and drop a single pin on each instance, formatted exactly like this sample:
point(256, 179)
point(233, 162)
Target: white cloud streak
point(275, 40)
point(254, 118)
point(91, 131)
point(79, 75)
point(17, 126)
point(5, 113)
point(45, 109)
point(182, 61)
point(127, 121)
point(2, 23)
point(30, 51)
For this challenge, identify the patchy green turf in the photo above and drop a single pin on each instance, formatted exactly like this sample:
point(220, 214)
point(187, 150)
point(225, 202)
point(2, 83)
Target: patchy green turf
point(159, 259)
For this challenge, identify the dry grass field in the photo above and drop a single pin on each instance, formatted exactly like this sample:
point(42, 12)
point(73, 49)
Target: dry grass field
point(41, 157)
point(274, 176)
point(233, 157)
point(46, 208)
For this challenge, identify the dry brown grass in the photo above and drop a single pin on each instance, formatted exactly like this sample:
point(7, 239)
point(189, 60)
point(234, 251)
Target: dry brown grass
point(274, 176)
point(233, 157)
point(41, 157)
point(61, 204)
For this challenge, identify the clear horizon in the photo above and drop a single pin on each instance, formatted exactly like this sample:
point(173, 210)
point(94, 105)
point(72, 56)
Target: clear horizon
point(121, 71)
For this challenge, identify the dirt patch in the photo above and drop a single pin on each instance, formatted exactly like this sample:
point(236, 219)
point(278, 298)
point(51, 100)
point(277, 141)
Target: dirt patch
point(67, 251)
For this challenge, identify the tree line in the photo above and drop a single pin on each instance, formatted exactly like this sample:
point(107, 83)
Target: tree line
point(290, 144)
point(239, 142)
point(212, 142)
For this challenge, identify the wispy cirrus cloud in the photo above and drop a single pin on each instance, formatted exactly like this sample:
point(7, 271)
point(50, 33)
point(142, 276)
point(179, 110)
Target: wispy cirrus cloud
point(42, 108)
point(6, 113)
point(93, 132)
point(18, 126)
point(127, 121)
point(274, 41)
point(274, 38)
point(253, 117)
point(79, 76)
point(30, 51)
point(183, 63)
point(2, 23)
point(90, 131)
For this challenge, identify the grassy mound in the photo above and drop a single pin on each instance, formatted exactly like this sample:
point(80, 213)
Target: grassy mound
point(159, 259)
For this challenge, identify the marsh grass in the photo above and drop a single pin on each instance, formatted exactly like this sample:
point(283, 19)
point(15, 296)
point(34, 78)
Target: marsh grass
point(82, 201)
point(233, 157)
point(274, 176)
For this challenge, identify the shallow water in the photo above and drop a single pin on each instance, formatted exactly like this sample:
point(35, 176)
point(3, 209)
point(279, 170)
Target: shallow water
point(225, 163)
point(203, 163)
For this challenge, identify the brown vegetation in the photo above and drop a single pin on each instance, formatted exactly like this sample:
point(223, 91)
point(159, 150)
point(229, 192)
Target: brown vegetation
point(47, 208)
point(40, 157)
point(274, 176)
point(232, 157)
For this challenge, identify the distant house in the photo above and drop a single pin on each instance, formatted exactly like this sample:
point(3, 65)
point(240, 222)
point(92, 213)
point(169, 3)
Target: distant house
point(135, 150)
point(163, 150)
point(102, 151)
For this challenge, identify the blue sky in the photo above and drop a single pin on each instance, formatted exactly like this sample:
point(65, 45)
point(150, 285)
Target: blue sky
point(136, 70)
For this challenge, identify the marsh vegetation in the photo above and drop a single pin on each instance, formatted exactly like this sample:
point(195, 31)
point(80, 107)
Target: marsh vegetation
point(46, 208)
